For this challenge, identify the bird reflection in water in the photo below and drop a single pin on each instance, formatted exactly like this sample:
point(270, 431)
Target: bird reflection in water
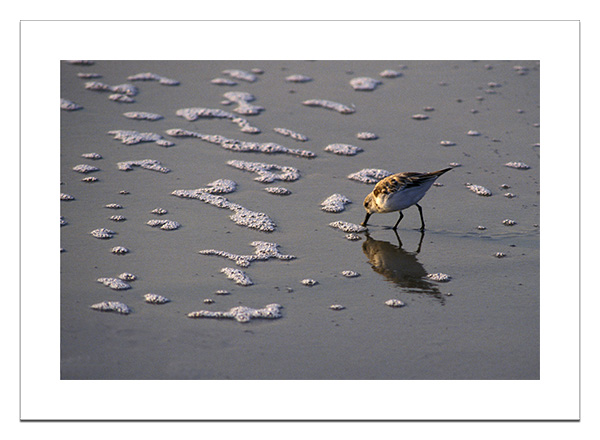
point(400, 266)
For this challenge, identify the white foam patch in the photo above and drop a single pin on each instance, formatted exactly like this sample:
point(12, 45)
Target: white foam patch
point(262, 251)
point(267, 173)
point(149, 76)
point(331, 105)
point(241, 146)
point(194, 113)
point(364, 83)
point(112, 306)
point(237, 275)
point(148, 164)
point(479, 190)
point(241, 313)
point(335, 203)
point(369, 175)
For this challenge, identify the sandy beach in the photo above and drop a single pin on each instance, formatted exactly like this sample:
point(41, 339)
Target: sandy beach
point(479, 117)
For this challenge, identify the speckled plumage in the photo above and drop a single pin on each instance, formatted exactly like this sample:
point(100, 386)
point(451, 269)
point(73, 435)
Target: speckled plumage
point(398, 192)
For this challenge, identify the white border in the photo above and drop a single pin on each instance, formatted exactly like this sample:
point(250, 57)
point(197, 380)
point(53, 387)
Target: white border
point(44, 396)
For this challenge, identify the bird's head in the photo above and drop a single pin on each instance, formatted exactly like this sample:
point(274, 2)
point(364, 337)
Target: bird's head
point(369, 204)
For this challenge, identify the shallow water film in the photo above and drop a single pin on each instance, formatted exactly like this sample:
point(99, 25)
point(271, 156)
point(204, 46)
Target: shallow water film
point(296, 286)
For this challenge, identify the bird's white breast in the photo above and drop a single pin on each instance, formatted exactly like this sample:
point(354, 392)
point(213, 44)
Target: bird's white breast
point(402, 199)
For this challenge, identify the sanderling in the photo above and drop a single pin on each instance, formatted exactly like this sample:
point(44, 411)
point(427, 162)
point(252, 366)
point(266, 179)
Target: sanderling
point(398, 192)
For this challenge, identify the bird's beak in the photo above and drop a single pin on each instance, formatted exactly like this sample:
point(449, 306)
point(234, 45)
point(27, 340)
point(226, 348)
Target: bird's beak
point(364, 223)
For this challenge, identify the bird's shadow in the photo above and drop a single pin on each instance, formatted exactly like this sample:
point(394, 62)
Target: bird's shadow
point(399, 266)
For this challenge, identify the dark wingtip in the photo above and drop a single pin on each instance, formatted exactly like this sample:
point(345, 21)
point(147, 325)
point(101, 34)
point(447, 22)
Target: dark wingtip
point(440, 172)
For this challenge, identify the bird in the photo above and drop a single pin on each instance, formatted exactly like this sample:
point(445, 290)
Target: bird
point(398, 192)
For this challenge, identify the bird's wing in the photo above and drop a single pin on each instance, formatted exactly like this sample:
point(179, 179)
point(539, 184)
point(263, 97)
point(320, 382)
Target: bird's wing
point(391, 184)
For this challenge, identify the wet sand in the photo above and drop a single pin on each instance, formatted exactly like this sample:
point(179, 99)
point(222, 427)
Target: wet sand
point(482, 324)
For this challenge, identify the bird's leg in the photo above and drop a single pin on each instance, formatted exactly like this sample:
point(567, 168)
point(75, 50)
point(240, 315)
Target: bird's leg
point(420, 242)
point(421, 213)
point(399, 241)
point(364, 223)
point(398, 222)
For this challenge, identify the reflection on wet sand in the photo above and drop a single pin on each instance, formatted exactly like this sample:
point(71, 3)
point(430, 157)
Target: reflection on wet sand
point(400, 266)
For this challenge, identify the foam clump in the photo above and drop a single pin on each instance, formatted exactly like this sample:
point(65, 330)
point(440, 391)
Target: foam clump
point(337, 307)
point(253, 220)
point(149, 76)
point(241, 313)
point(350, 274)
point(120, 250)
point(243, 99)
point(85, 168)
point(237, 275)
point(389, 73)
point(103, 233)
point(331, 105)
point(347, 226)
point(112, 306)
point(114, 283)
point(194, 113)
point(394, 303)
point(263, 251)
point(219, 186)
point(335, 203)
point(68, 105)
point(119, 97)
point(517, 165)
point(265, 171)
point(439, 277)
point(66, 197)
point(294, 135)
point(447, 143)
point(278, 190)
point(153, 298)
point(241, 146)
point(131, 137)
point(165, 225)
point(126, 276)
point(343, 149)
point(143, 116)
point(298, 78)
point(88, 75)
point(364, 83)
point(309, 282)
point(125, 89)
point(241, 216)
point(92, 156)
point(223, 82)
point(148, 164)
point(479, 190)
point(369, 175)
point(240, 74)
point(159, 211)
point(366, 136)
point(509, 222)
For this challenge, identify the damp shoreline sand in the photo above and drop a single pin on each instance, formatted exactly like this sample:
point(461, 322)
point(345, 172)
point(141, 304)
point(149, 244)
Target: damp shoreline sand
point(481, 324)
